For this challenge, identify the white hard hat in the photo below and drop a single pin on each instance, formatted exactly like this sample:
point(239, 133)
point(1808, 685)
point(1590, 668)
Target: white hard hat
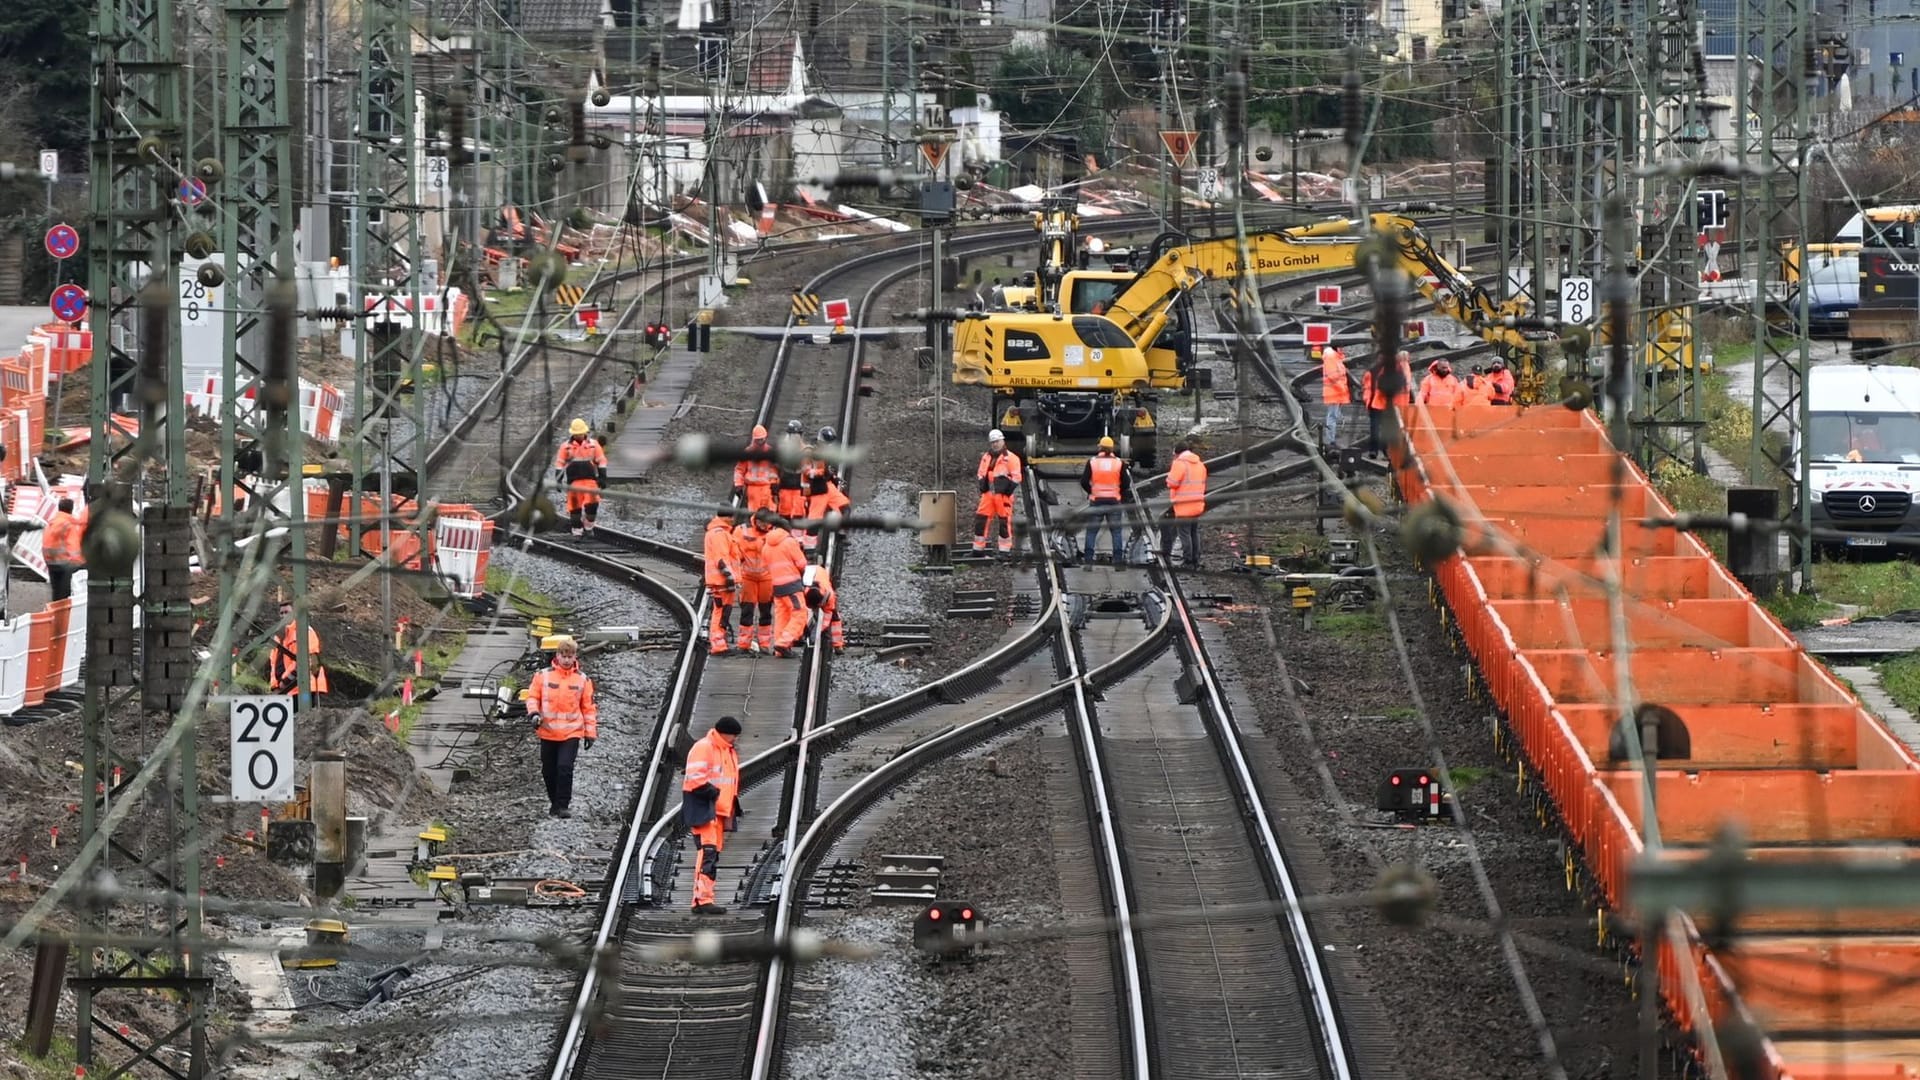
point(995, 436)
point(807, 576)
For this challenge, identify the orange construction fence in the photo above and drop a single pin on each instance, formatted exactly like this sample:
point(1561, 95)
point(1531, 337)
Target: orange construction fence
point(1779, 747)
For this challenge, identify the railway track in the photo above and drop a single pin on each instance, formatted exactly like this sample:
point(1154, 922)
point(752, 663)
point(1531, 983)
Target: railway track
point(631, 1016)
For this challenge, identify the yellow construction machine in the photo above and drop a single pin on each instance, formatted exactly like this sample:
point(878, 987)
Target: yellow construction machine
point(1093, 361)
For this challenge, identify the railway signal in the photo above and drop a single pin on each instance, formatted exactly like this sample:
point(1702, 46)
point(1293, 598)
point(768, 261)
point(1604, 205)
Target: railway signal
point(947, 928)
point(1414, 795)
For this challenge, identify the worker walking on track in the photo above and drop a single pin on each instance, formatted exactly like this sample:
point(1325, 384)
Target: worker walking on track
point(754, 477)
point(790, 489)
point(1373, 392)
point(1336, 392)
point(820, 597)
point(60, 546)
point(1106, 481)
point(283, 675)
point(756, 583)
point(787, 568)
point(583, 470)
point(999, 474)
point(710, 804)
point(560, 703)
point(1187, 492)
point(722, 578)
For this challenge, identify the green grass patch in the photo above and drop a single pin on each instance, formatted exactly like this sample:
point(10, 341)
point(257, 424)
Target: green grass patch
point(409, 716)
point(1876, 588)
point(1692, 493)
point(1798, 611)
point(1900, 677)
point(1351, 625)
point(1462, 777)
point(526, 599)
point(1403, 712)
point(57, 1065)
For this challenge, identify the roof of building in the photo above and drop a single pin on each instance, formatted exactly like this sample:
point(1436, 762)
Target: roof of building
point(543, 16)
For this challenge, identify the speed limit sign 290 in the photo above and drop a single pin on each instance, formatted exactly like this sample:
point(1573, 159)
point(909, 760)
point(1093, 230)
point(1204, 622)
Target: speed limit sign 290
point(262, 744)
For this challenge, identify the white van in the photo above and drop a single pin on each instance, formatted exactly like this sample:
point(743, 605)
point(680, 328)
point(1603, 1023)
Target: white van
point(1863, 448)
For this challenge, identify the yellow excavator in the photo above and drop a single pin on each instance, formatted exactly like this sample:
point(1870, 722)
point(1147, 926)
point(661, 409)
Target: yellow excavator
point(1093, 361)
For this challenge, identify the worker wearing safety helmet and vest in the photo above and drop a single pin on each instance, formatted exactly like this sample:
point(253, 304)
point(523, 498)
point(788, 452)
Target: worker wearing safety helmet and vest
point(790, 492)
point(756, 583)
point(1187, 494)
point(1104, 478)
point(560, 703)
point(710, 804)
point(722, 579)
point(582, 465)
point(283, 660)
point(1373, 393)
point(786, 566)
point(999, 475)
point(754, 476)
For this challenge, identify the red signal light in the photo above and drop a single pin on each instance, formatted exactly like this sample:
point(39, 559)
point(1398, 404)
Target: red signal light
point(1424, 779)
point(934, 914)
point(1394, 780)
point(966, 914)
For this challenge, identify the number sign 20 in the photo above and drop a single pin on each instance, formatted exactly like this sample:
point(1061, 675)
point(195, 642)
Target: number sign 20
point(262, 744)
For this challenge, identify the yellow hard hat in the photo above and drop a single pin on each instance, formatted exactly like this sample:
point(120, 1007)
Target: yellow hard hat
point(1106, 442)
point(557, 642)
point(578, 427)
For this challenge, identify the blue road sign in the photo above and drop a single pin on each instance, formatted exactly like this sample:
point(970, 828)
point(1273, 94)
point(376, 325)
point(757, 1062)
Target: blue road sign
point(69, 303)
point(63, 242)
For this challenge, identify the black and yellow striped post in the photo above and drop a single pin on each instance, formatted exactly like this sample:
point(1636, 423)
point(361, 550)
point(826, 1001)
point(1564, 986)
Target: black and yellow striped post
point(805, 306)
point(568, 295)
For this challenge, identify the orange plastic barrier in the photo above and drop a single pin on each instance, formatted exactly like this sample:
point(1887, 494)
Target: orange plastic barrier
point(1779, 747)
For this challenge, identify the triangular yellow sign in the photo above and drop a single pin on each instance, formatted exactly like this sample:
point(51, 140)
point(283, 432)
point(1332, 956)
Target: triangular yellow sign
point(1180, 145)
point(935, 152)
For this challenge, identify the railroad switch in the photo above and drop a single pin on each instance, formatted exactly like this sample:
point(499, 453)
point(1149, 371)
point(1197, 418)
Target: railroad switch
point(1414, 795)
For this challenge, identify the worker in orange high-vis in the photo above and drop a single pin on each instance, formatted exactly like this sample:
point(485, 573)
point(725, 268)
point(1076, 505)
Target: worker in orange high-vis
point(1187, 494)
point(1374, 394)
point(710, 804)
point(787, 566)
point(722, 578)
point(60, 546)
point(1336, 392)
point(1474, 389)
point(1104, 478)
point(999, 475)
point(283, 675)
point(754, 477)
point(790, 489)
point(824, 497)
point(560, 703)
point(582, 465)
point(821, 598)
point(756, 583)
point(1499, 383)
point(1440, 389)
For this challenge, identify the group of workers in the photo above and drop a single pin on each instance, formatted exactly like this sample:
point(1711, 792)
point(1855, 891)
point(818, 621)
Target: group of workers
point(1489, 384)
point(1107, 479)
point(755, 563)
point(789, 480)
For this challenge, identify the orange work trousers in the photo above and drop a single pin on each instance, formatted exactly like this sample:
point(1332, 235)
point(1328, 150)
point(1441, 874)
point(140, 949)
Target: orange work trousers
point(790, 615)
point(582, 494)
point(793, 503)
point(759, 497)
point(709, 839)
point(756, 606)
point(723, 601)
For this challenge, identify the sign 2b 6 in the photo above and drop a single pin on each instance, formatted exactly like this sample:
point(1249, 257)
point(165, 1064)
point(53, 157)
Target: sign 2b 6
point(262, 748)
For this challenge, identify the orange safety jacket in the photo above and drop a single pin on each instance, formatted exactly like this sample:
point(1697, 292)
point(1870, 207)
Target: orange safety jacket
point(283, 663)
point(751, 543)
point(786, 561)
point(722, 554)
point(582, 459)
point(1440, 390)
point(563, 699)
point(1104, 477)
point(712, 760)
point(1187, 485)
point(760, 472)
point(1335, 389)
point(1500, 387)
point(1474, 390)
point(60, 540)
point(999, 472)
point(1374, 396)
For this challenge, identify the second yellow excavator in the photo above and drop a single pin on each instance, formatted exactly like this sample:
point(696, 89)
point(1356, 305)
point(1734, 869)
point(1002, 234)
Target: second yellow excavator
point(1095, 361)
